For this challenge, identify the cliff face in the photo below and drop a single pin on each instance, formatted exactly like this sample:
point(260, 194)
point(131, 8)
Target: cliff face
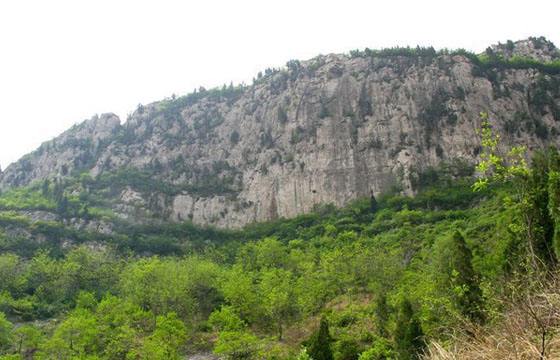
point(327, 130)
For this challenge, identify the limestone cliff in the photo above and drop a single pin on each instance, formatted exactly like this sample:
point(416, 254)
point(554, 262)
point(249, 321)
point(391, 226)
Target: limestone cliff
point(326, 130)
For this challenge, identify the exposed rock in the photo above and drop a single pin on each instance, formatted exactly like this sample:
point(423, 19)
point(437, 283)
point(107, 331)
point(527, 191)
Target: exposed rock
point(38, 215)
point(77, 148)
point(326, 130)
point(539, 49)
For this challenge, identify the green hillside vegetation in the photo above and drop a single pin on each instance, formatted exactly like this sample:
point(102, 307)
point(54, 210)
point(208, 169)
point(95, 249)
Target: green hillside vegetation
point(378, 279)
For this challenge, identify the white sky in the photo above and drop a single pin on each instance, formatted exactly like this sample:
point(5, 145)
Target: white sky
point(63, 61)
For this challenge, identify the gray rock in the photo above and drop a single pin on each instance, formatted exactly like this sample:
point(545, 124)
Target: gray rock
point(330, 130)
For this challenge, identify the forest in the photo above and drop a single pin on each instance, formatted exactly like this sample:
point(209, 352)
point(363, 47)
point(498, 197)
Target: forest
point(392, 277)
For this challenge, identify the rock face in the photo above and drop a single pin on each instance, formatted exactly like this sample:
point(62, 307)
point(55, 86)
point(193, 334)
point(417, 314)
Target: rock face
point(535, 48)
point(77, 147)
point(326, 130)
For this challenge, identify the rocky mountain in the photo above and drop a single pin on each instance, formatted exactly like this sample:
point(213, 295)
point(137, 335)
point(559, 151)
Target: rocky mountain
point(326, 130)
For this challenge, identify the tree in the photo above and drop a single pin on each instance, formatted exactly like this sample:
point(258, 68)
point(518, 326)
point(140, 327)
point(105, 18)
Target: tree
point(382, 315)
point(238, 287)
point(121, 323)
point(276, 289)
point(380, 350)
point(226, 319)
point(165, 342)
point(536, 209)
point(554, 198)
point(530, 193)
point(236, 345)
point(9, 272)
point(409, 337)
point(269, 253)
point(159, 285)
point(27, 339)
point(76, 337)
point(85, 300)
point(455, 271)
point(319, 345)
point(346, 349)
point(5, 332)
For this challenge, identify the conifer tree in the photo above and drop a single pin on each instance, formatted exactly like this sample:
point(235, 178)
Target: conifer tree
point(409, 336)
point(381, 315)
point(554, 198)
point(319, 345)
point(537, 208)
point(462, 278)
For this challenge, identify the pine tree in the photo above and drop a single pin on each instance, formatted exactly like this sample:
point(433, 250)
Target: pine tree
point(554, 199)
point(319, 345)
point(382, 315)
point(463, 279)
point(409, 337)
point(537, 207)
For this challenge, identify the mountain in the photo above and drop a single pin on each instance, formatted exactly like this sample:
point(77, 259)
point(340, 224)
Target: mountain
point(102, 252)
point(323, 131)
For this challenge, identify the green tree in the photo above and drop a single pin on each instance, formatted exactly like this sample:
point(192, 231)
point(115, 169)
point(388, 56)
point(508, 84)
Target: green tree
point(240, 291)
point(236, 345)
point(530, 193)
point(554, 197)
point(319, 344)
point(86, 300)
point(77, 336)
point(380, 350)
point(160, 286)
point(225, 319)
point(270, 253)
point(121, 324)
point(10, 269)
point(165, 342)
point(27, 339)
point(346, 349)
point(276, 290)
point(409, 337)
point(5, 332)
point(534, 207)
point(382, 315)
point(455, 271)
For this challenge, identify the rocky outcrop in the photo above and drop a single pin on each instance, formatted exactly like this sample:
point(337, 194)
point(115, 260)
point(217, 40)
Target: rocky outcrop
point(77, 148)
point(538, 49)
point(326, 130)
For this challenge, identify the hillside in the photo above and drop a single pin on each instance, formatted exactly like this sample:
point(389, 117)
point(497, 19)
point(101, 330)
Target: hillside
point(328, 130)
point(396, 204)
point(265, 285)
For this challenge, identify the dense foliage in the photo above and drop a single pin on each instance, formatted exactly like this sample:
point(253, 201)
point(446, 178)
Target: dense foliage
point(378, 279)
point(259, 290)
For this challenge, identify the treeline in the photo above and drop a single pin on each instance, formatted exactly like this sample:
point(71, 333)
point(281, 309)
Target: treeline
point(490, 60)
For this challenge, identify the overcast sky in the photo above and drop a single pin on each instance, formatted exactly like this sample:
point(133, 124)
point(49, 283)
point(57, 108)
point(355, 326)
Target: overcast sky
point(63, 61)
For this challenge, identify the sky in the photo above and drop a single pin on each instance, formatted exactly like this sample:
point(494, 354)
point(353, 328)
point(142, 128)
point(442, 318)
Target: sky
point(61, 62)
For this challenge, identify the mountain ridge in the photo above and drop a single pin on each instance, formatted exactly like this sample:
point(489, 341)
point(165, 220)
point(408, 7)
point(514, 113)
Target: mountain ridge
point(327, 130)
